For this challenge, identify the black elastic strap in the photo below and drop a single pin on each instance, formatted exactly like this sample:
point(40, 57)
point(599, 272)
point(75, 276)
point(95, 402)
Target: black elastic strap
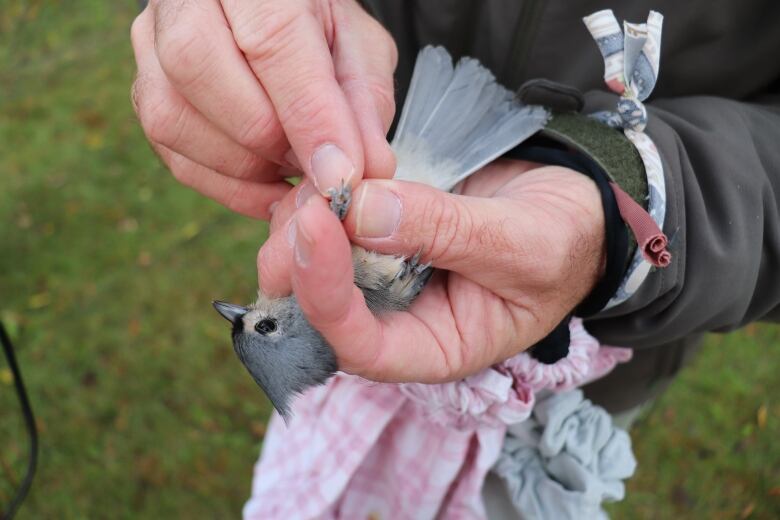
point(556, 345)
point(29, 420)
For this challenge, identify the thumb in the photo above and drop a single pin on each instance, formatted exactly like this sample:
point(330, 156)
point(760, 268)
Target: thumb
point(453, 232)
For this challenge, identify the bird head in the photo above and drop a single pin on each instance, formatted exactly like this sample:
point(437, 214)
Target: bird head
point(283, 353)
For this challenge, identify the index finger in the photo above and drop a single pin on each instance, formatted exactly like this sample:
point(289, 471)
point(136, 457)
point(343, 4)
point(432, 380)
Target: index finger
point(286, 47)
point(197, 52)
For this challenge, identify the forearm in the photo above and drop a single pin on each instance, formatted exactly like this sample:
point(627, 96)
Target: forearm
point(722, 168)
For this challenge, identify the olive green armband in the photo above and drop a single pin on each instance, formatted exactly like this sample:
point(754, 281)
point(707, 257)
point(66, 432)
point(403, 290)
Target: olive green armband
point(608, 147)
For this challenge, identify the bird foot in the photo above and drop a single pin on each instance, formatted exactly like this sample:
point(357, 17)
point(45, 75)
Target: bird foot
point(413, 266)
point(340, 199)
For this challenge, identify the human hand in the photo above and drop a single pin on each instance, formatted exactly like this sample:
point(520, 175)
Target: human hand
point(228, 91)
point(519, 248)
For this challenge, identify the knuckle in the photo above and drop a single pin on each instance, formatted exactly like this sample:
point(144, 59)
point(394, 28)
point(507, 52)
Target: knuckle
point(183, 52)
point(234, 197)
point(138, 30)
point(392, 50)
point(440, 372)
point(265, 31)
point(459, 360)
point(280, 215)
point(305, 107)
point(260, 131)
point(168, 12)
point(137, 94)
point(384, 96)
point(386, 45)
point(383, 41)
point(379, 88)
point(451, 227)
point(179, 169)
point(328, 12)
point(162, 121)
point(246, 166)
point(144, 100)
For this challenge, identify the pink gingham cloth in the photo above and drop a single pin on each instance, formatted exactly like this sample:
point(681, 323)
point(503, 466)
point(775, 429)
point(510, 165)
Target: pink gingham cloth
point(361, 450)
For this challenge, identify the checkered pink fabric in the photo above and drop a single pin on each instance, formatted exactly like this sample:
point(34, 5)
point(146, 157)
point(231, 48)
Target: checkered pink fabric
point(361, 450)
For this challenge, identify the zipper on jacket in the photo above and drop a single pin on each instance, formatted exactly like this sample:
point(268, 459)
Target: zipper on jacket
point(522, 41)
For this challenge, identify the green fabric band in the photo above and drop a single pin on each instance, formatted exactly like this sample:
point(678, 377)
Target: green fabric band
point(607, 146)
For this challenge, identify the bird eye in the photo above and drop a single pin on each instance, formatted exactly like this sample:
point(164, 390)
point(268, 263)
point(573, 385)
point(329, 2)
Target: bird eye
point(265, 326)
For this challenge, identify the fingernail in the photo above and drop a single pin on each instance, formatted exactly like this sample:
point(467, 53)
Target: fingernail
point(378, 212)
point(292, 159)
point(291, 232)
point(306, 191)
point(330, 167)
point(303, 247)
point(273, 207)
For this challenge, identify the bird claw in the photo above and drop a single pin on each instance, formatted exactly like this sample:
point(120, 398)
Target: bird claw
point(340, 199)
point(415, 265)
point(412, 266)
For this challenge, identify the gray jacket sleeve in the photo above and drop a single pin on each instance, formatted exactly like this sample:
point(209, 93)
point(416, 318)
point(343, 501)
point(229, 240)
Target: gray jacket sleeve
point(722, 165)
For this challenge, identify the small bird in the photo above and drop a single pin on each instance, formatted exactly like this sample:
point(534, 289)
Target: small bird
point(456, 119)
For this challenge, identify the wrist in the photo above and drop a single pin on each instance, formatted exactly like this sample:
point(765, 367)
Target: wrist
point(588, 242)
point(603, 267)
point(593, 227)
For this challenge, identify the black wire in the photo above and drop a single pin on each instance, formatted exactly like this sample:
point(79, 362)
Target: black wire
point(29, 420)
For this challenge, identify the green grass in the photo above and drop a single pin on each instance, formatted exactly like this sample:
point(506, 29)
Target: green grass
point(708, 448)
point(107, 268)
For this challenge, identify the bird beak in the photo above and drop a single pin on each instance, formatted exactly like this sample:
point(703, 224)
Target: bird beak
point(229, 311)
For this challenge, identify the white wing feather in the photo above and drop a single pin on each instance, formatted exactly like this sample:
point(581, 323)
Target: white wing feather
point(457, 120)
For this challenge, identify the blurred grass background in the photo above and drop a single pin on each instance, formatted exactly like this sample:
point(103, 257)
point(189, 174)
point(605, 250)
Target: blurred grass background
point(107, 270)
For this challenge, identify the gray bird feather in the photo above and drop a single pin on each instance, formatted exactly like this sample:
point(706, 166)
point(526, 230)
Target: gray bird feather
point(455, 121)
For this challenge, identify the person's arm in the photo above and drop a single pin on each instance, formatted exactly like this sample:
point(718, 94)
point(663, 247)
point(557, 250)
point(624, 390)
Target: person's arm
point(721, 162)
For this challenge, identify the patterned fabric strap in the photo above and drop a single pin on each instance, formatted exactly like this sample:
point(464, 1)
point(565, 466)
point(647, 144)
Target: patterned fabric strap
point(631, 60)
point(631, 63)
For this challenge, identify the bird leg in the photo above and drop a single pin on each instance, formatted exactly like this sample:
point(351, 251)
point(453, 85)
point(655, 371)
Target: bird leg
point(415, 265)
point(412, 266)
point(340, 199)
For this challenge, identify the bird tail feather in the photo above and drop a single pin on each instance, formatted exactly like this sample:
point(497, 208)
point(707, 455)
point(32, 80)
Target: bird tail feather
point(456, 120)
